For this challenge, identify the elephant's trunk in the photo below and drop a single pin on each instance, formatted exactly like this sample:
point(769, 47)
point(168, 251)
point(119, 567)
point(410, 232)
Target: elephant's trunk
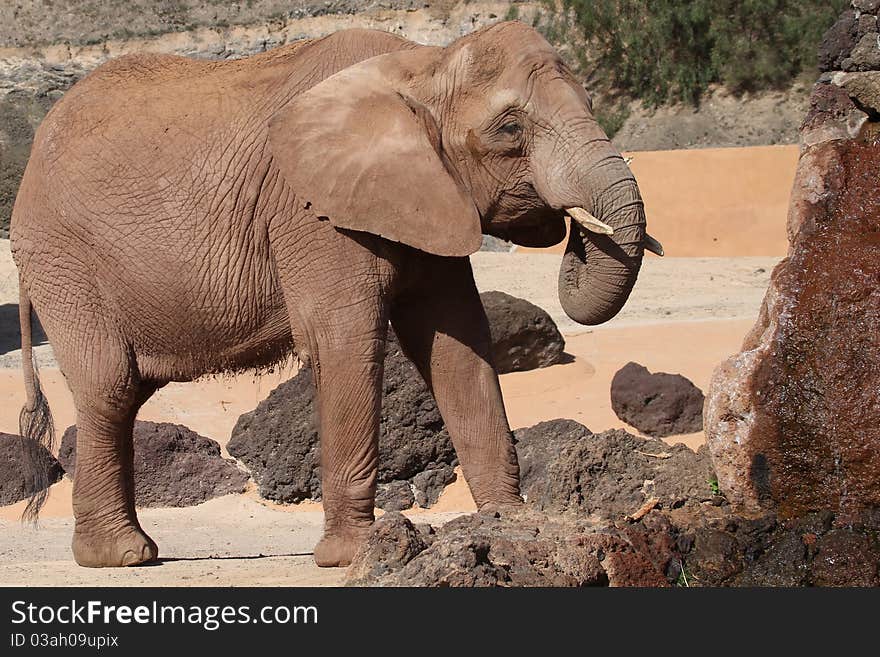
point(599, 270)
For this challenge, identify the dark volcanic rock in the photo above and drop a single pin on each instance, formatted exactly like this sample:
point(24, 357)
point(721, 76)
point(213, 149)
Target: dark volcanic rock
point(278, 441)
point(845, 557)
point(495, 244)
point(429, 484)
point(563, 466)
point(520, 548)
point(657, 404)
point(838, 42)
point(393, 542)
point(396, 496)
point(729, 550)
point(866, 54)
point(851, 44)
point(16, 483)
point(792, 421)
point(524, 336)
point(864, 89)
point(832, 115)
point(173, 466)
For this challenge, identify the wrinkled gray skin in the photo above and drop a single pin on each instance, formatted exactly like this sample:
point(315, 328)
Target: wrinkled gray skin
point(180, 217)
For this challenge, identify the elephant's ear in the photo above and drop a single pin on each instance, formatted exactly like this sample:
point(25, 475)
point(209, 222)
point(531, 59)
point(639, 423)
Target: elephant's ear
point(368, 158)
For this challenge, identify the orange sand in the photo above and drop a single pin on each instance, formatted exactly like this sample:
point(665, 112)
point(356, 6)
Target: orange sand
point(716, 201)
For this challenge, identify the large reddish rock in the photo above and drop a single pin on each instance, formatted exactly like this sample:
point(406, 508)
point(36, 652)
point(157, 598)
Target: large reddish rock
point(793, 420)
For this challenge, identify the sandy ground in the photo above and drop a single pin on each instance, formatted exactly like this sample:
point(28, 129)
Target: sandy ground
point(685, 315)
point(721, 202)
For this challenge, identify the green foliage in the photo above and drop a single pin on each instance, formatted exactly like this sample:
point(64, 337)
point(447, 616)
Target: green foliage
point(512, 13)
point(611, 120)
point(669, 50)
point(713, 486)
point(684, 578)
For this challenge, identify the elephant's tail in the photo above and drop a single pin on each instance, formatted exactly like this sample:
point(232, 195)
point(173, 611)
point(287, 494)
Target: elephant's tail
point(35, 421)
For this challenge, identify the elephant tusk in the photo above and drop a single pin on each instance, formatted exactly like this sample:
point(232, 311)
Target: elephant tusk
point(652, 245)
point(589, 222)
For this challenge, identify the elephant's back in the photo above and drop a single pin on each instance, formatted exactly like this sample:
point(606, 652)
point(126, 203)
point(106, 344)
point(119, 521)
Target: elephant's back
point(159, 129)
point(168, 100)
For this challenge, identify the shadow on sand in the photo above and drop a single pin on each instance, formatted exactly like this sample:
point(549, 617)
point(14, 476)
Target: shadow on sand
point(163, 560)
point(10, 332)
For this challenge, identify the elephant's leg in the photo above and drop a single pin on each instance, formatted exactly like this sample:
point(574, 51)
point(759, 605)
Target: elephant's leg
point(107, 397)
point(444, 331)
point(349, 383)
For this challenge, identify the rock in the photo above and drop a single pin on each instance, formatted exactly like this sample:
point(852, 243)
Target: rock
point(520, 548)
point(792, 421)
point(429, 484)
point(524, 337)
point(846, 558)
point(870, 6)
point(691, 544)
point(396, 496)
point(863, 88)
point(832, 115)
point(278, 441)
point(173, 465)
point(495, 244)
point(16, 483)
point(838, 42)
point(565, 467)
point(658, 404)
point(866, 55)
point(731, 550)
point(392, 543)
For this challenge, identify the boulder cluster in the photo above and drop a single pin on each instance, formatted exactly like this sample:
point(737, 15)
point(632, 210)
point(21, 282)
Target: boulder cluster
point(611, 509)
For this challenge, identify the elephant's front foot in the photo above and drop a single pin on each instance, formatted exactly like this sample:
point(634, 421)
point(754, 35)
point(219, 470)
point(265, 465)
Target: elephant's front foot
point(337, 548)
point(497, 491)
point(126, 546)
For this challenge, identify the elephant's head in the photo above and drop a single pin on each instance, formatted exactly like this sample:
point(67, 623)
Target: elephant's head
point(434, 146)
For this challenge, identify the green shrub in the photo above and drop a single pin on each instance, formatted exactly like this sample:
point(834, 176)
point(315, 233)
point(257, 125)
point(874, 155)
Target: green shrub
point(669, 50)
point(611, 120)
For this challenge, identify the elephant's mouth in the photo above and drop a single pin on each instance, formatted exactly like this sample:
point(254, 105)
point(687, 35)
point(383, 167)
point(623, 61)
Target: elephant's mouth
point(536, 227)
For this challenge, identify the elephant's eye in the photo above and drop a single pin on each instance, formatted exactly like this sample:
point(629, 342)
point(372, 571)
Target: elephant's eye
point(511, 128)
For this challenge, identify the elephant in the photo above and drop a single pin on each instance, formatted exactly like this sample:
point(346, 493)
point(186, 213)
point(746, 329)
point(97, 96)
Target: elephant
point(181, 217)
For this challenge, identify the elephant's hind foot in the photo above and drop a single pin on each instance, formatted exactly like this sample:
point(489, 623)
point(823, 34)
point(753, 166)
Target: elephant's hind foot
point(338, 549)
point(129, 547)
